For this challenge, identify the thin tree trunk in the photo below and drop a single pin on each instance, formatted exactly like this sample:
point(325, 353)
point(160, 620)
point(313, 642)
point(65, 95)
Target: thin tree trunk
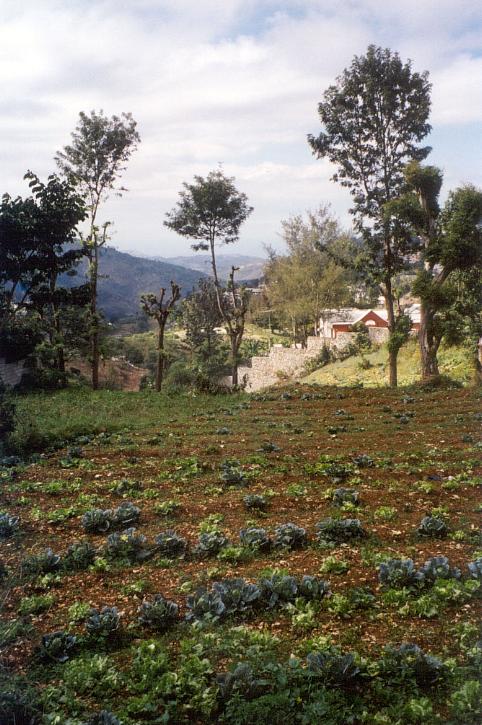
point(428, 343)
point(160, 359)
point(392, 351)
point(94, 340)
point(234, 362)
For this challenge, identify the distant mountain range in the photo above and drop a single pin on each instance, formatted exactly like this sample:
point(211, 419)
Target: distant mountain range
point(125, 277)
point(249, 267)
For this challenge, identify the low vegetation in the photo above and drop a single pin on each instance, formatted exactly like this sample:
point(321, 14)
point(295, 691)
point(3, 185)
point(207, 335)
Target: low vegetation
point(234, 560)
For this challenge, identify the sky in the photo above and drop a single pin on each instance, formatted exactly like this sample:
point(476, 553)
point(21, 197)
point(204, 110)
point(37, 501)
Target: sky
point(235, 82)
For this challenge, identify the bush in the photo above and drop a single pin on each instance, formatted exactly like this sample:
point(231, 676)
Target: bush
point(97, 521)
point(104, 717)
point(332, 531)
point(432, 527)
point(438, 567)
point(57, 646)
point(43, 563)
point(232, 474)
point(103, 623)
point(278, 589)
point(256, 502)
point(311, 587)
point(127, 545)
point(160, 614)
point(256, 539)
point(399, 573)
point(410, 662)
point(170, 544)
point(204, 605)
point(210, 543)
point(345, 495)
point(8, 526)
point(80, 555)
point(7, 416)
point(290, 536)
point(237, 595)
point(337, 669)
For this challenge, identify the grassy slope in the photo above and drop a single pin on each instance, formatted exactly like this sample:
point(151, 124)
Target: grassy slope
point(175, 450)
point(454, 362)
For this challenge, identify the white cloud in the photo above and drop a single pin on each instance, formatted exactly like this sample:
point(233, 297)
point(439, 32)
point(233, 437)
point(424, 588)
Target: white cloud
point(235, 82)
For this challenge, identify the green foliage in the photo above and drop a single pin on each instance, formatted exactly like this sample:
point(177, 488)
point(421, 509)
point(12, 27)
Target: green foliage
point(9, 525)
point(335, 531)
point(256, 539)
point(160, 614)
point(79, 556)
point(170, 544)
point(43, 563)
point(103, 624)
point(35, 604)
point(289, 536)
point(210, 544)
point(432, 527)
point(56, 647)
point(126, 546)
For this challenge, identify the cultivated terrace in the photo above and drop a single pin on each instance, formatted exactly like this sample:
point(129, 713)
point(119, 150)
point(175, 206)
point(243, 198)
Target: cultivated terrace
point(306, 555)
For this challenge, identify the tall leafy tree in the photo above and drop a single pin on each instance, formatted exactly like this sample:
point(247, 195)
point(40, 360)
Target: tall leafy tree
point(201, 318)
point(37, 238)
point(303, 283)
point(211, 210)
point(160, 308)
point(374, 118)
point(449, 280)
point(94, 163)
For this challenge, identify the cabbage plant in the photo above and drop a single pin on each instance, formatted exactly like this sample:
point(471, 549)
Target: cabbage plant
point(103, 623)
point(290, 536)
point(8, 525)
point(57, 646)
point(237, 595)
point(159, 614)
point(256, 539)
point(170, 544)
point(432, 527)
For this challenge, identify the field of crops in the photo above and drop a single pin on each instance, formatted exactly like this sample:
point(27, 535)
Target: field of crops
point(311, 555)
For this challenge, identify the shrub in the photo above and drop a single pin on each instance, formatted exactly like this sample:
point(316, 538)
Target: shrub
point(104, 717)
point(57, 646)
point(239, 682)
point(438, 567)
point(127, 545)
point(333, 531)
point(42, 563)
point(432, 527)
point(256, 502)
point(290, 536)
point(232, 473)
point(125, 514)
point(205, 605)
point(97, 521)
point(103, 623)
point(475, 569)
point(8, 526)
point(311, 587)
point(277, 589)
point(170, 544)
point(210, 543)
point(160, 614)
point(237, 595)
point(35, 604)
point(80, 555)
point(337, 669)
point(363, 461)
point(399, 573)
point(256, 539)
point(409, 661)
point(19, 702)
point(345, 495)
